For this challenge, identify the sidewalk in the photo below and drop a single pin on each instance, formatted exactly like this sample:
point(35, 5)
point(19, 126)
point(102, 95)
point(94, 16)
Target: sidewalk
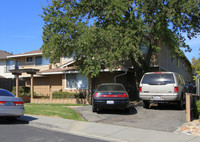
point(106, 131)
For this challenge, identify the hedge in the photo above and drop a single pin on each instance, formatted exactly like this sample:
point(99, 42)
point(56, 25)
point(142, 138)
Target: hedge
point(63, 95)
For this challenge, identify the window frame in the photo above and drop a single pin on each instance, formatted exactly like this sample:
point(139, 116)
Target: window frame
point(29, 61)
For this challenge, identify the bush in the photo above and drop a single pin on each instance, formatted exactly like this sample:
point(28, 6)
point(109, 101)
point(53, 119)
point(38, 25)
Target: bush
point(198, 106)
point(23, 91)
point(63, 95)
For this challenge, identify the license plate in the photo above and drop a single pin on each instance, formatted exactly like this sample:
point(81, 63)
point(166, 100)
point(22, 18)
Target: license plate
point(109, 102)
point(156, 98)
point(9, 104)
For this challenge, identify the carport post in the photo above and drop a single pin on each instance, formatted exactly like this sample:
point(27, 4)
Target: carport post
point(188, 107)
point(17, 85)
point(32, 88)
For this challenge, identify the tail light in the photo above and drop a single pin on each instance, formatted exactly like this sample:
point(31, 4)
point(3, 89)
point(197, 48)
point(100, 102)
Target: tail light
point(19, 103)
point(175, 89)
point(2, 103)
point(140, 89)
point(124, 95)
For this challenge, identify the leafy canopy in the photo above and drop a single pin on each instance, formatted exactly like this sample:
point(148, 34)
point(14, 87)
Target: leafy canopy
point(106, 32)
point(196, 65)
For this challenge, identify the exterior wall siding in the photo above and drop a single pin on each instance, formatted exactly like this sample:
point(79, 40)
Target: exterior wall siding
point(177, 65)
point(3, 70)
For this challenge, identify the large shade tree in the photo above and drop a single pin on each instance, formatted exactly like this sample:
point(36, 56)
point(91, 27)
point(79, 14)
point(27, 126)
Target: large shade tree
point(105, 32)
point(196, 65)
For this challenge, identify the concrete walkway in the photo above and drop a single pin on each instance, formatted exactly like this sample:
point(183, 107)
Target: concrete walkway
point(106, 131)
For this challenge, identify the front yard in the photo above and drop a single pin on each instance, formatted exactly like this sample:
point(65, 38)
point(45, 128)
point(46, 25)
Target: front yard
point(55, 110)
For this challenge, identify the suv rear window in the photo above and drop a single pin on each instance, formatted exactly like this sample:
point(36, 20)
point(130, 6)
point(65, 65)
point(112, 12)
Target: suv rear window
point(158, 79)
point(6, 93)
point(112, 87)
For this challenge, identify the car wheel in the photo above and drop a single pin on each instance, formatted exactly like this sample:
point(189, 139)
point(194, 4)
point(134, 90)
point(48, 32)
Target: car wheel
point(180, 104)
point(94, 109)
point(13, 118)
point(127, 110)
point(146, 104)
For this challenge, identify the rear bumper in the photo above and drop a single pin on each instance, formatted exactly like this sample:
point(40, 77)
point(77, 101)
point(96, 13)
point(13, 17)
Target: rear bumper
point(11, 112)
point(118, 104)
point(162, 98)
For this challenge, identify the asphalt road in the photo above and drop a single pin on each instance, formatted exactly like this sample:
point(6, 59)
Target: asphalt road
point(162, 118)
point(19, 131)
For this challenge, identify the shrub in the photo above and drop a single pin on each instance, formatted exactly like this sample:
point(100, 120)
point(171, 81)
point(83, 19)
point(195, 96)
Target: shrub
point(198, 106)
point(23, 91)
point(63, 95)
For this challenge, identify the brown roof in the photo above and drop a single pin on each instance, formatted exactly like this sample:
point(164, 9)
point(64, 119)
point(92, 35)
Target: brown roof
point(4, 54)
point(31, 52)
point(36, 52)
point(58, 70)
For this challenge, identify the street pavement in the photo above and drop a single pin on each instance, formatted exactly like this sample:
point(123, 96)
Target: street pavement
point(106, 132)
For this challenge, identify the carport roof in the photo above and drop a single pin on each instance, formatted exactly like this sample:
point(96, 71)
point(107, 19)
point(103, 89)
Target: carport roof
point(57, 71)
point(20, 71)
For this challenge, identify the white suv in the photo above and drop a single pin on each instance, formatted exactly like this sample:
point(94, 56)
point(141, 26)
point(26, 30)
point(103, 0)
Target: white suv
point(162, 87)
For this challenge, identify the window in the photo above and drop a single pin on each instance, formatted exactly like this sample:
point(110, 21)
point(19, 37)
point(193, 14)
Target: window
point(41, 61)
point(158, 79)
point(9, 65)
point(173, 59)
point(29, 59)
point(76, 81)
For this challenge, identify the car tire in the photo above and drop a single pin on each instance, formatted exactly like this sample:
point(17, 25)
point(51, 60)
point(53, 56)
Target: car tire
point(94, 109)
point(127, 110)
point(180, 104)
point(12, 118)
point(146, 104)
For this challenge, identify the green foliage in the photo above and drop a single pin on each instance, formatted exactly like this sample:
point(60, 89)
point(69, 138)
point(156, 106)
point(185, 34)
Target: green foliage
point(108, 32)
point(198, 107)
point(23, 91)
point(196, 65)
point(63, 95)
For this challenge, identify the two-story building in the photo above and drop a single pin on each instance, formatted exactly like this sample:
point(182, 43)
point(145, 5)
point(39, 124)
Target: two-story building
point(64, 76)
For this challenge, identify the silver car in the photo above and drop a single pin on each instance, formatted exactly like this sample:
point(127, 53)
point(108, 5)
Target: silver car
point(162, 87)
point(11, 107)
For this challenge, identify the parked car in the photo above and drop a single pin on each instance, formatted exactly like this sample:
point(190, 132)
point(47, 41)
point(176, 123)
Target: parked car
point(162, 87)
point(11, 107)
point(110, 96)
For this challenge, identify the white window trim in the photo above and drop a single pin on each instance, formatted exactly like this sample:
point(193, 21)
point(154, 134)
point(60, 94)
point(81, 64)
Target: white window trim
point(29, 62)
point(72, 88)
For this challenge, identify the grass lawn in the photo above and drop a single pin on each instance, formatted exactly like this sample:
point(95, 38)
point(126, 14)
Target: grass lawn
point(55, 110)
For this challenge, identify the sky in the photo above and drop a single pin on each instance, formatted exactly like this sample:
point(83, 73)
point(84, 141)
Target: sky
point(21, 27)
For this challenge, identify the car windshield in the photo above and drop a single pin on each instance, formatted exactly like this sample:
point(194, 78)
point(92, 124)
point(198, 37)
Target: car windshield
point(110, 87)
point(158, 79)
point(6, 93)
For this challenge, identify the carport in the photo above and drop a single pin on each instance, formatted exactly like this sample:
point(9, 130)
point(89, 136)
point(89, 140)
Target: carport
point(18, 72)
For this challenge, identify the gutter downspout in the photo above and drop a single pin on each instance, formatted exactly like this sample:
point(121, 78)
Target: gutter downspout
point(115, 78)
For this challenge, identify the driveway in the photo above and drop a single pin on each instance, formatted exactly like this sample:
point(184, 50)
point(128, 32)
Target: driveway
point(162, 118)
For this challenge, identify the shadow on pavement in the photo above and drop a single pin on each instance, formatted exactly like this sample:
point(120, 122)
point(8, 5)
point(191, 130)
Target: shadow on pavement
point(165, 107)
point(21, 120)
point(132, 111)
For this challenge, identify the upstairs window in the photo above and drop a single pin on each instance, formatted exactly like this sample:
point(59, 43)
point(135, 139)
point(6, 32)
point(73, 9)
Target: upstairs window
point(41, 61)
point(29, 59)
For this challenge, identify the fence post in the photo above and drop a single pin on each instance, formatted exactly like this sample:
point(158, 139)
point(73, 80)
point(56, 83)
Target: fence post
point(188, 107)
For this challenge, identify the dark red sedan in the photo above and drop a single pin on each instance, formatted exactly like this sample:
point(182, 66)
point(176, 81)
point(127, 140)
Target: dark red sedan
point(110, 96)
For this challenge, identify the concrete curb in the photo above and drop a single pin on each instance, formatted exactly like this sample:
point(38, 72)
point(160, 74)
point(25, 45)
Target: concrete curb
point(106, 131)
